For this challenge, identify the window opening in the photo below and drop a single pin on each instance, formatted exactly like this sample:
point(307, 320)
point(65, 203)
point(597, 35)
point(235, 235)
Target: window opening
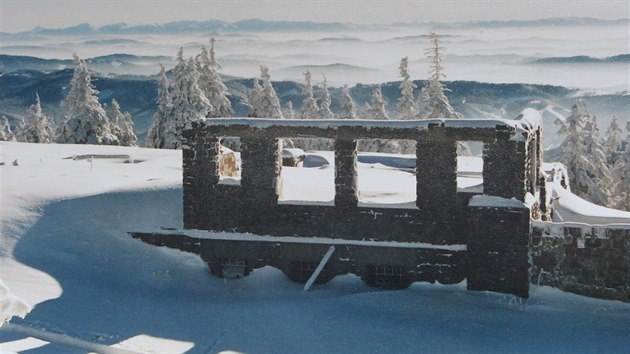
point(386, 173)
point(307, 176)
point(470, 166)
point(229, 161)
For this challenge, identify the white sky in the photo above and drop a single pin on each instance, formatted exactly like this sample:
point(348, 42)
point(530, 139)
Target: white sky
point(22, 15)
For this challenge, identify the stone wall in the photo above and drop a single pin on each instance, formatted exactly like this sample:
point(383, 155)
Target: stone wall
point(498, 245)
point(442, 215)
point(583, 259)
point(364, 259)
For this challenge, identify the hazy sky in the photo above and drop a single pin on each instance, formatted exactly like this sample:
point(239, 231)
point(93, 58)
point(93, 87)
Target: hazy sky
point(21, 15)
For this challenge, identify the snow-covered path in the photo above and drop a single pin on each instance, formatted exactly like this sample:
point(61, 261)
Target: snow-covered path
point(87, 279)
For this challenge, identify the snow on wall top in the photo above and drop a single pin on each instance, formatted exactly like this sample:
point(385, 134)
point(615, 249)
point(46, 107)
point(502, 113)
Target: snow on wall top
point(569, 207)
point(529, 120)
point(211, 235)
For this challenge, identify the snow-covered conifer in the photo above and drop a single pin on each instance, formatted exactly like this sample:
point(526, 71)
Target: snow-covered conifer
point(268, 103)
point(309, 106)
point(348, 107)
point(211, 84)
point(436, 103)
point(155, 136)
point(583, 158)
point(406, 108)
point(254, 99)
point(5, 130)
point(324, 107)
point(188, 101)
point(127, 136)
point(601, 173)
point(377, 106)
point(622, 176)
point(85, 119)
point(38, 128)
point(613, 141)
point(289, 112)
point(20, 131)
point(122, 125)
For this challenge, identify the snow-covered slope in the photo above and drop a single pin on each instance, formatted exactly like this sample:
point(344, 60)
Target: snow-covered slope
point(65, 251)
point(569, 207)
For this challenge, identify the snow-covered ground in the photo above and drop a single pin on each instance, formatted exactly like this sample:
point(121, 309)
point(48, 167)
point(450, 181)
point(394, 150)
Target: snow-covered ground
point(64, 250)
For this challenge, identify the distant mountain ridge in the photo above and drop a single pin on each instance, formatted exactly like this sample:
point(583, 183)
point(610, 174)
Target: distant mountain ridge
point(581, 59)
point(218, 26)
point(211, 26)
point(138, 95)
point(111, 63)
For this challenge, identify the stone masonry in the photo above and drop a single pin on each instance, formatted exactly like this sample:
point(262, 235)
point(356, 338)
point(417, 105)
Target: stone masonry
point(442, 239)
point(583, 259)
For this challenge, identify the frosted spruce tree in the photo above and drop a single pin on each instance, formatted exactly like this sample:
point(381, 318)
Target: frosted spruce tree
point(613, 143)
point(211, 84)
point(20, 131)
point(348, 107)
point(188, 100)
point(434, 98)
point(406, 108)
point(601, 173)
point(621, 172)
point(267, 104)
point(309, 106)
point(155, 136)
point(324, 107)
point(6, 134)
point(376, 108)
point(85, 119)
point(254, 99)
point(582, 169)
point(38, 129)
point(289, 112)
point(122, 125)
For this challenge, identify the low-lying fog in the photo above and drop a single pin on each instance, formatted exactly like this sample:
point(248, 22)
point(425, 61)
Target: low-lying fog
point(371, 55)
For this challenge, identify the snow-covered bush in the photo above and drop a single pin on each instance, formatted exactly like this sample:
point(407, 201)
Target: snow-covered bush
point(6, 134)
point(10, 305)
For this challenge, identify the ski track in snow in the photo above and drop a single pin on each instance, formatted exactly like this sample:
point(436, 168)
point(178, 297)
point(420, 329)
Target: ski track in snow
point(104, 288)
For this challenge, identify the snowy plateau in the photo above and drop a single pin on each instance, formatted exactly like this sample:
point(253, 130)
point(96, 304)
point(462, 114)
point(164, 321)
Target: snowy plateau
point(72, 280)
point(66, 253)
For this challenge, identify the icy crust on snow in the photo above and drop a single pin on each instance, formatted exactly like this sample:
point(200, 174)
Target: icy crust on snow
point(489, 201)
point(528, 120)
point(210, 235)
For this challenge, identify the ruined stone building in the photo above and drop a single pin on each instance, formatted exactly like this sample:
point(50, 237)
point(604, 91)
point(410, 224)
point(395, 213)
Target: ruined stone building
point(447, 235)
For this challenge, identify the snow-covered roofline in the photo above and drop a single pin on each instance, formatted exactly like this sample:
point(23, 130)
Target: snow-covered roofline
point(527, 121)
